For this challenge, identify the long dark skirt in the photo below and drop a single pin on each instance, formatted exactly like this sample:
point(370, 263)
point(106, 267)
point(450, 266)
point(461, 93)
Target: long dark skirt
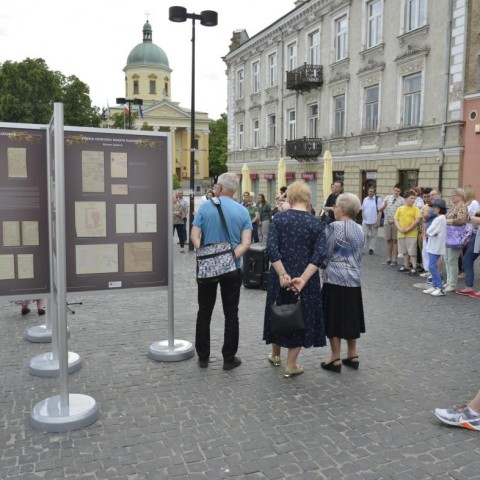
point(343, 311)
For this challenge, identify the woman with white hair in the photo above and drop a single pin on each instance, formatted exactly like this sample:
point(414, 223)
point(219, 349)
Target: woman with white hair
point(341, 293)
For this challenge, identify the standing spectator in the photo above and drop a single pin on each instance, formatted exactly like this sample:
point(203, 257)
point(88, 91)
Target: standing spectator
point(265, 211)
point(427, 219)
point(295, 246)
point(389, 207)
point(342, 293)
point(337, 189)
point(435, 247)
point(472, 207)
point(457, 216)
point(207, 228)
point(186, 206)
point(254, 217)
point(407, 219)
point(178, 211)
point(419, 203)
point(471, 254)
point(209, 195)
point(25, 304)
point(245, 199)
point(371, 214)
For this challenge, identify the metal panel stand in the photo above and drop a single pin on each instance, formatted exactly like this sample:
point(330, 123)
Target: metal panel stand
point(49, 416)
point(46, 364)
point(171, 350)
point(41, 333)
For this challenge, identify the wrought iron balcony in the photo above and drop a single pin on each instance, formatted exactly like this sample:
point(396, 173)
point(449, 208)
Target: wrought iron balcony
point(304, 149)
point(304, 78)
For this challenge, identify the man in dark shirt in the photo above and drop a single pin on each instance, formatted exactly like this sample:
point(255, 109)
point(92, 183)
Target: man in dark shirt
point(337, 189)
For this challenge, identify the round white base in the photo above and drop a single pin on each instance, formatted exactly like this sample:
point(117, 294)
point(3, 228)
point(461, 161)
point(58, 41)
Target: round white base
point(39, 334)
point(45, 365)
point(160, 351)
point(48, 416)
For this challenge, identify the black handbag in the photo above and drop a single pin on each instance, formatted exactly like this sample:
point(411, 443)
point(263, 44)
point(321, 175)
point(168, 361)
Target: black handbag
point(286, 318)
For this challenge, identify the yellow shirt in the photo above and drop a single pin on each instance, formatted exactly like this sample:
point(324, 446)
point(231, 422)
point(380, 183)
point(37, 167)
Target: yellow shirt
point(405, 216)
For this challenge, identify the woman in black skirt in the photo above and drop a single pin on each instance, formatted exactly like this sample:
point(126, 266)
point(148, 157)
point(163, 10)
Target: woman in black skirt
point(341, 293)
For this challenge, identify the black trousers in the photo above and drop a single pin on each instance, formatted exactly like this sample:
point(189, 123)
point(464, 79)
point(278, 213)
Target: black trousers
point(207, 296)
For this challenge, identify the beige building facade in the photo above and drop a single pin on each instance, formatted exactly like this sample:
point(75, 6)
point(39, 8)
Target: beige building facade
point(379, 84)
point(148, 77)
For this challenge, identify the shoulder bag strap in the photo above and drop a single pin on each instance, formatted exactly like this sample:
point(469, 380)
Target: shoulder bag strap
point(217, 203)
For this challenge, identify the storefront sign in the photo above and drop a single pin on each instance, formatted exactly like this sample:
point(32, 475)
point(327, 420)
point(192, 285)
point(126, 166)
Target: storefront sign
point(309, 175)
point(254, 176)
point(290, 175)
point(371, 175)
point(269, 176)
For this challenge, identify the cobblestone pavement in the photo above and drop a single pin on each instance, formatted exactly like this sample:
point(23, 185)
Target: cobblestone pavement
point(176, 421)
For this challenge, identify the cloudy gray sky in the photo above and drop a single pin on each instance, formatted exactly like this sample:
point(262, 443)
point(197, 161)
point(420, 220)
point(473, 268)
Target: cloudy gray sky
point(92, 39)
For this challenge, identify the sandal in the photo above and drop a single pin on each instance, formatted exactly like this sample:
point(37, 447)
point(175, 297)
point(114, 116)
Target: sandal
point(351, 362)
point(275, 359)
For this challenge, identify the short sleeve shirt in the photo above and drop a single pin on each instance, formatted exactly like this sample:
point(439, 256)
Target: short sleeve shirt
point(391, 204)
point(406, 216)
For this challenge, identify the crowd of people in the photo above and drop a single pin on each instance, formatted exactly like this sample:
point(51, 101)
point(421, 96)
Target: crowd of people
point(318, 259)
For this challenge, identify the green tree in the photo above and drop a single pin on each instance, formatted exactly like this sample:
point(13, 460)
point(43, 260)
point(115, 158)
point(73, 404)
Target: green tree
point(217, 151)
point(176, 182)
point(147, 127)
point(28, 90)
point(120, 120)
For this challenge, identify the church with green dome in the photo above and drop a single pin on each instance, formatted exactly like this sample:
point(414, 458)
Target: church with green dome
point(148, 77)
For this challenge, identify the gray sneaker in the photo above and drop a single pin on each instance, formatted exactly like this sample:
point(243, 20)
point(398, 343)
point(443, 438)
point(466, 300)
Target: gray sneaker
point(459, 417)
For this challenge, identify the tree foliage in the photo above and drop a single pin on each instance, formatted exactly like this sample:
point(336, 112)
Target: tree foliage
point(28, 90)
point(120, 121)
point(218, 147)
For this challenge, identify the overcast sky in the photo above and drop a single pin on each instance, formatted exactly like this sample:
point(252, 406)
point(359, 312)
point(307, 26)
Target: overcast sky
point(92, 39)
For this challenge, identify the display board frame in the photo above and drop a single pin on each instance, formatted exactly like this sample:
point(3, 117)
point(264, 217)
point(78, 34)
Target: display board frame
point(117, 209)
point(24, 225)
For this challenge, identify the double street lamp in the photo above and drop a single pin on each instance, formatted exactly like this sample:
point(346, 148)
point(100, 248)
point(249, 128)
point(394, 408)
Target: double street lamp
point(208, 18)
point(129, 101)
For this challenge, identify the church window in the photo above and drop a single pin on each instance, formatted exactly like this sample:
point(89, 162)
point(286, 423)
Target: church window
point(135, 87)
point(153, 86)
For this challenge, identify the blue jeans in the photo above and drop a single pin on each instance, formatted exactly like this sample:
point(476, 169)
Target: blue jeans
point(468, 259)
point(433, 269)
point(207, 296)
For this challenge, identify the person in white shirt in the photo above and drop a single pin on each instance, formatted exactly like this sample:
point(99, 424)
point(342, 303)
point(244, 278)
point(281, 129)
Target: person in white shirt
point(371, 214)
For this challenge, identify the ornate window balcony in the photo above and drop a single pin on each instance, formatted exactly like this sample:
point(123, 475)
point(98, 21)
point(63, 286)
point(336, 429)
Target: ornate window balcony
point(304, 78)
point(304, 149)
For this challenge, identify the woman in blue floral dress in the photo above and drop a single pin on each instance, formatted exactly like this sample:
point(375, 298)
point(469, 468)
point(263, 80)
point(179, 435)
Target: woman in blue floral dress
point(295, 245)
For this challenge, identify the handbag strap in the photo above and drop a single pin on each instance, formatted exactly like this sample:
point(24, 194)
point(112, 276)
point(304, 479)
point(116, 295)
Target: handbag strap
point(217, 203)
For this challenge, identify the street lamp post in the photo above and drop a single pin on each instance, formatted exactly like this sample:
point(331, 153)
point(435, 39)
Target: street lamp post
point(208, 18)
point(129, 101)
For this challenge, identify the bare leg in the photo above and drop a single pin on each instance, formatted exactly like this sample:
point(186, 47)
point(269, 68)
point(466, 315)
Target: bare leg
point(390, 250)
point(475, 403)
point(276, 349)
point(292, 357)
point(41, 304)
point(352, 348)
point(335, 349)
point(413, 259)
point(394, 251)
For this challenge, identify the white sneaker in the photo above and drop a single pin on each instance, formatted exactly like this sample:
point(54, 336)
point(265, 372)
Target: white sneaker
point(438, 292)
point(449, 288)
point(428, 291)
point(425, 274)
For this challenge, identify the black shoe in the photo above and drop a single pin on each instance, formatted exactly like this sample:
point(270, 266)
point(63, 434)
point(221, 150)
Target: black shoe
point(25, 310)
point(351, 362)
point(203, 363)
point(233, 364)
point(370, 252)
point(331, 366)
point(41, 311)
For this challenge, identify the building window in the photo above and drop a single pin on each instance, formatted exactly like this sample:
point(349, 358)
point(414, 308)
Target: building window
point(313, 121)
point(407, 179)
point(272, 69)
point(153, 86)
point(292, 56)
point(374, 23)
point(240, 84)
point(272, 130)
point(371, 108)
point(338, 176)
point(240, 136)
point(341, 38)
point(314, 48)
point(135, 87)
point(415, 14)
point(256, 77)
point(292, 122)
point(256, 133)
point(412, 99)
point(339, 116)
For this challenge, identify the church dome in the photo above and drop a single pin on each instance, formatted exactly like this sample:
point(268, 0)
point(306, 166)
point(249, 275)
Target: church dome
point(147, 53)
